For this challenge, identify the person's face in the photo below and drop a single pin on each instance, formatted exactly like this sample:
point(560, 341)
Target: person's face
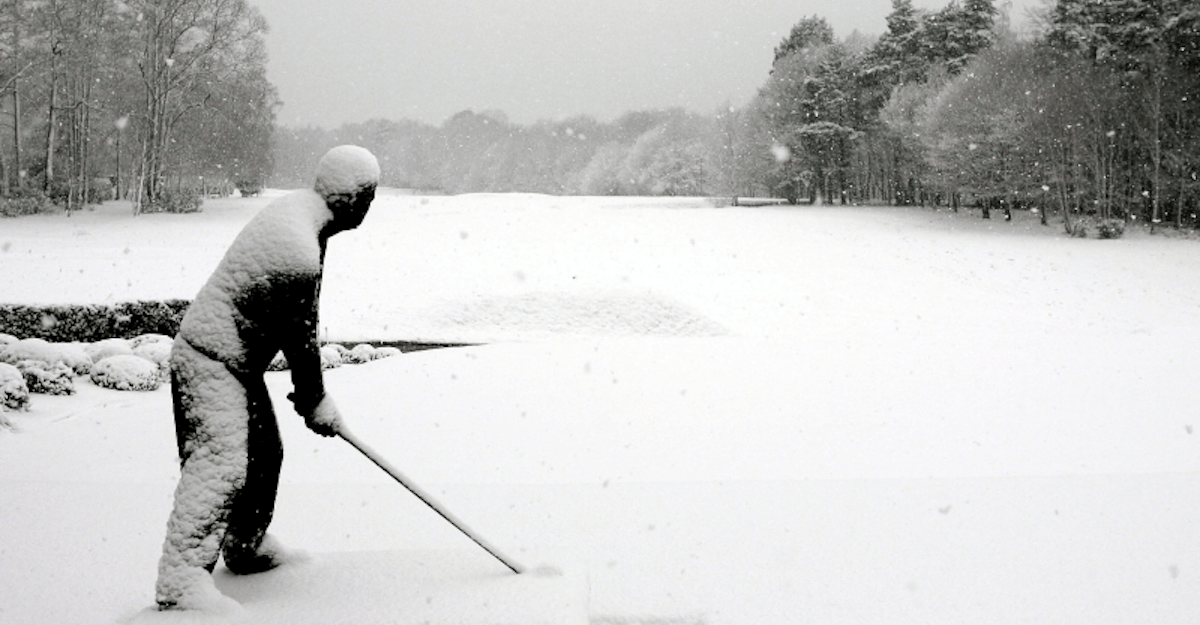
point(359, 205)
point(349, 211)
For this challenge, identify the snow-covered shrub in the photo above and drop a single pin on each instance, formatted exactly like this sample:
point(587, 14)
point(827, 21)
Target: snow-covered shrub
point(14, 393)
point(359, 354)
point(126, 372)
point(1079, 227)
point(1110, 229)
point(386, 351)
point(107, 348)
point(249, 188)
point(331, 357)
point(176, 201)
point(143, 339)
point(47, 379)
point(159, 353)
point(278, 363)
point(23, 203)
point(75, 357)
point(29, 349)
point(69, 354)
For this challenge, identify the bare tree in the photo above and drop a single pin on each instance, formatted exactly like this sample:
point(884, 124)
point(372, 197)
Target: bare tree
point(185, 44)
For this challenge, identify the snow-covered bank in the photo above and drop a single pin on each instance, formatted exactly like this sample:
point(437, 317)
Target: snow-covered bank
point(731, 415)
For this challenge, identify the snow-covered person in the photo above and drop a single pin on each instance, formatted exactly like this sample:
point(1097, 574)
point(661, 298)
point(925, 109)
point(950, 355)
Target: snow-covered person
point(261, 299)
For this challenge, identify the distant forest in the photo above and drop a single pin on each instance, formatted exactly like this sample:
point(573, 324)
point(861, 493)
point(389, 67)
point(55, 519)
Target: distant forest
point(1095, 115)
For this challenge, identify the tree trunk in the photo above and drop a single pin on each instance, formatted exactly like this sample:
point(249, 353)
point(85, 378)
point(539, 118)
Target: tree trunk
point(17, 170)
point(16, 87)
point(50, 131)
point(1155, 207)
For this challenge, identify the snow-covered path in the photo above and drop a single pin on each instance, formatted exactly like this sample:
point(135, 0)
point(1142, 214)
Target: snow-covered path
point(724, 415)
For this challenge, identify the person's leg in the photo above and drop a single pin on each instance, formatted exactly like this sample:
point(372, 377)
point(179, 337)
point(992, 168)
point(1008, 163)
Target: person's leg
point(211, 421)
point(247, 548)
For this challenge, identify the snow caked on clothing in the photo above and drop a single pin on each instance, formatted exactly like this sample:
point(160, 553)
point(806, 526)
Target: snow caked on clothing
point(262, 299)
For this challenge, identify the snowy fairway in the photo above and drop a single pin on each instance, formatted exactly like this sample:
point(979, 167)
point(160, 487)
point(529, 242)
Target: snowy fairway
point(775, 415)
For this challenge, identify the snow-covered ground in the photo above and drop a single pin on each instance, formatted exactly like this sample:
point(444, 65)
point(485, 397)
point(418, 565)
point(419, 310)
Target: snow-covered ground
point(721, 415)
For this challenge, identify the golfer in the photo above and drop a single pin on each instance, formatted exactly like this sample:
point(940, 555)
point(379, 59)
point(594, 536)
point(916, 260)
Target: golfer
point(262, 299)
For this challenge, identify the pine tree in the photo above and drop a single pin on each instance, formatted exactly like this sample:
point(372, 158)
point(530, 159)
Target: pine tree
point(809, 32)
point(897, 54)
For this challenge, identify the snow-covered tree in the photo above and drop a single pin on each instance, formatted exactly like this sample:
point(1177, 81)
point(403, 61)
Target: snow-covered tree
point(1153, 46)
point(810, 32)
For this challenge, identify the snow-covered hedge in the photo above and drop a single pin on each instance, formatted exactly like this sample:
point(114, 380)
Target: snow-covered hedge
point(92, 322)
point(126, 372)
point(14, 393)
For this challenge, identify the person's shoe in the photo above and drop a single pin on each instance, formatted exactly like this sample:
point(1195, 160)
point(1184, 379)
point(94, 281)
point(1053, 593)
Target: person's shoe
point(269, 555)
point(191, 588)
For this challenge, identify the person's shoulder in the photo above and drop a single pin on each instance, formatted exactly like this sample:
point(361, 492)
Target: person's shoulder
point(284, 234)
point(293, 200)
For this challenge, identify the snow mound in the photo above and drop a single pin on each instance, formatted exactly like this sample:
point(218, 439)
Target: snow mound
point(108, 347)
point(14, 393)
point(126, 372)
point(6, 339)
point(346, 169)
point(47, 379)
point(556, 314)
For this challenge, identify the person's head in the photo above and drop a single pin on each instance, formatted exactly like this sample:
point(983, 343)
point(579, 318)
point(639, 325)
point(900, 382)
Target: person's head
point(346, 178)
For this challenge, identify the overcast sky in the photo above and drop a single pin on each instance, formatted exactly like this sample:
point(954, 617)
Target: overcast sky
point(349, 61)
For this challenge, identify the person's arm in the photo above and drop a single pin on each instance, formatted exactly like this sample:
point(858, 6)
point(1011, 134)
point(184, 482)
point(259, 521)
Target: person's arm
point(301, 347)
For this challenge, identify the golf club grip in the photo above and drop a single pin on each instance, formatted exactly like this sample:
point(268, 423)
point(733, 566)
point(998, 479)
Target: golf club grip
point(428, 500)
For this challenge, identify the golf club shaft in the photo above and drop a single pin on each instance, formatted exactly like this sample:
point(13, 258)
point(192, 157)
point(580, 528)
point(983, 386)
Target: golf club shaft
point(374, 457)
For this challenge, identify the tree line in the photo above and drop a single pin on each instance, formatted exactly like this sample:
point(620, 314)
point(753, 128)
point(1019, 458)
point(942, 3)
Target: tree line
point(153, 100)
point(1094, 116)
